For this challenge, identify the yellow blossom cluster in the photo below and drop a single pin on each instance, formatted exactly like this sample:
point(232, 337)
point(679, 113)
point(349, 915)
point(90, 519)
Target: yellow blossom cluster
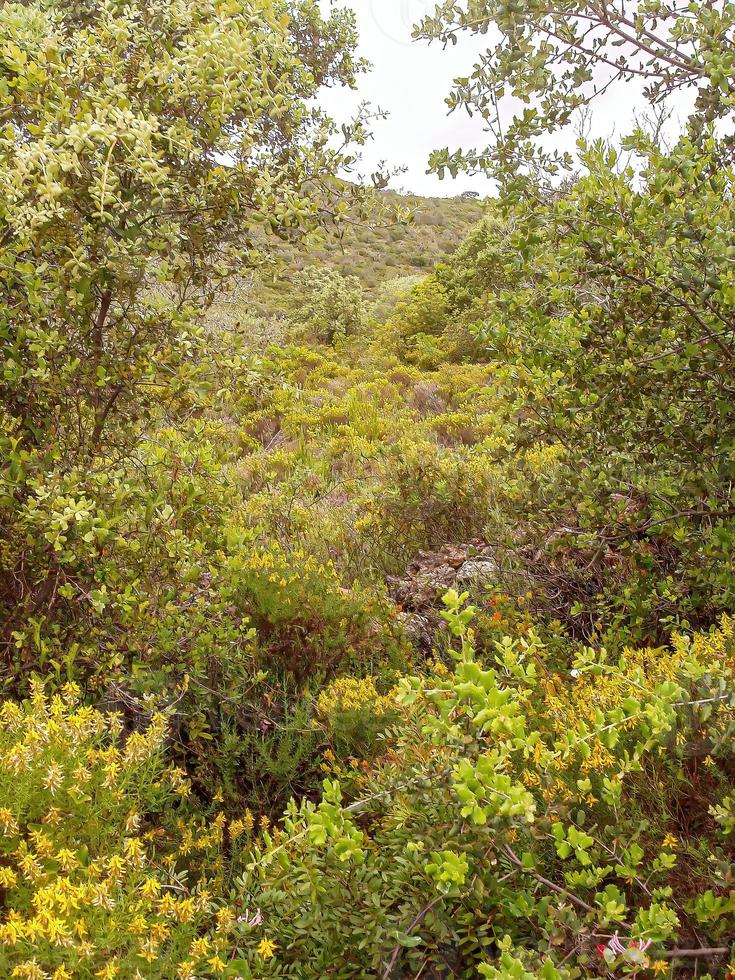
point(352, 694)
point(541, 459)
point(90, 887)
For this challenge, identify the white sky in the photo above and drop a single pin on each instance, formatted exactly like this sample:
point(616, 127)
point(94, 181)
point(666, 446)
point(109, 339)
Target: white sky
point(411, 79)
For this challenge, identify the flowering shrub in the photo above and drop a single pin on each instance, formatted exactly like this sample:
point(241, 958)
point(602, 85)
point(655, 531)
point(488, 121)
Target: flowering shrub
point(508, 827)
point(355, 715)
point(105, 869)
point(512, 823)
point(303, 615)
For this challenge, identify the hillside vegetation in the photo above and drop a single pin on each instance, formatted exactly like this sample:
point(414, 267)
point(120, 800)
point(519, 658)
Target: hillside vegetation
point(404, 237)
point(375, 620)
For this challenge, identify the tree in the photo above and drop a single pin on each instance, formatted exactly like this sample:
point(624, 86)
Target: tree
point(558, 57)
point(607, 300)
point(147, 149)
point(331, 305)
point(142, 144)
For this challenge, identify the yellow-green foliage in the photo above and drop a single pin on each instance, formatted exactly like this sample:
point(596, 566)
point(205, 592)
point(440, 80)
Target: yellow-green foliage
point(516, 798)
point(534, 798)
point(349, 693)
point(202, 522)
point(304, 615)
point(99, 876)
point(377, 252)
point(365, 461)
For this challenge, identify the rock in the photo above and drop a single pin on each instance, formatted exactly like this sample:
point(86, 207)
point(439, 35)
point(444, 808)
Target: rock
point(430, 575)
point(480, 570)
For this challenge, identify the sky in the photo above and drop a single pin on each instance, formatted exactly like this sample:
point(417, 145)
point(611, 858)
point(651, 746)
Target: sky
point(410, 80)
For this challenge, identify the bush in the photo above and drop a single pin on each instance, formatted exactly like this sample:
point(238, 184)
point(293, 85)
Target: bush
point(330, 305)
point(512, 826)
point(103, 874)
point(429, 496)
point(304, 617)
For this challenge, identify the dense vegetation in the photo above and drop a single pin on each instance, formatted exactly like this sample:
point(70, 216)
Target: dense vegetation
point(375, 619)
point(405, 238)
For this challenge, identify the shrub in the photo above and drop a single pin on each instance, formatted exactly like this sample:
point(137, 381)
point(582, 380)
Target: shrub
point(330, 305)
point(116, 227)
point(424, 313)
point(305, 619)
point(102, 871)
point(428, 496)
point(511, 825)
point(355, 716)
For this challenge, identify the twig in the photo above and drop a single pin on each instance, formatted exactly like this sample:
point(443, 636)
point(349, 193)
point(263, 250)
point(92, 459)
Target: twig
point(550, 884)
point(419, 919)
point(703, 953)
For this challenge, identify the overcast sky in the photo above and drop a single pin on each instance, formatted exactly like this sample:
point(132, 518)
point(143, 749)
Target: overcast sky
point(410, 79)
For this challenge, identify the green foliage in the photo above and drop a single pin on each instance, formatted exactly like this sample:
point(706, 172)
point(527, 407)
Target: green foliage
point(331, 305)
point(117, 224)
point(377, 251)
point(606, 314)
point(201, 515)
point(558, 58)
point(109, 171)
point(512, 823)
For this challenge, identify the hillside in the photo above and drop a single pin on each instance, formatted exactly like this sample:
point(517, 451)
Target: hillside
point(376, 252)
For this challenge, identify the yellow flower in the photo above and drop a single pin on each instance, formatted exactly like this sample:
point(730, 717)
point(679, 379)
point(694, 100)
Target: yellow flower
point(100, 896)
point(52, 816)
point(160, 932)
point(8, 823)
point(8, 878)
point(203, 899)
point(116, 867)
point(200, 947)
point(134, 852)
point(266, 949)
point(132, 824)
point(138, 925)
point(150, 888)
point(67, 859)
point(660, 966)
point(237, 828)
point(148, 951)
point(184, 910)
point(225, 918)
point(166, 904)
point(216, 964)
point(55, 930)
point(54, 778)
point(108, 971)
point(670, 841)
point(111, 771)
point(42, 843)
point(30, 867)
point(30, 970)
